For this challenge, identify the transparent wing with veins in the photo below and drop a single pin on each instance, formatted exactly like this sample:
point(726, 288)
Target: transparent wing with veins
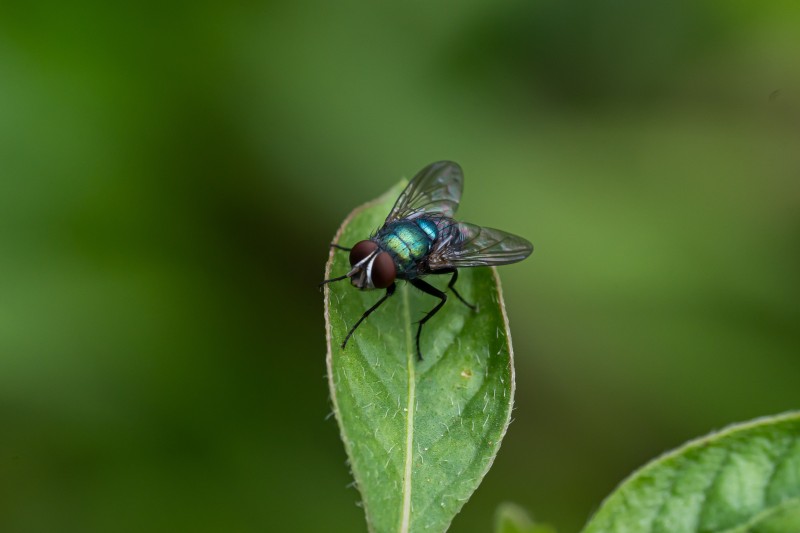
point(469, 245)
point(436, 189)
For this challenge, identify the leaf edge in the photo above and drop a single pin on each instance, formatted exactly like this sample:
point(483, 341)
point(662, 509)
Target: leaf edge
point(328, 336)
point(695, 443)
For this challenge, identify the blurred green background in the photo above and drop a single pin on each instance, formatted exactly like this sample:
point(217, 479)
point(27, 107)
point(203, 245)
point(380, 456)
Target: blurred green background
point(170, 177)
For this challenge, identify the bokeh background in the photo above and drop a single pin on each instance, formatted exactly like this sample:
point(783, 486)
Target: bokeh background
point(170, 177)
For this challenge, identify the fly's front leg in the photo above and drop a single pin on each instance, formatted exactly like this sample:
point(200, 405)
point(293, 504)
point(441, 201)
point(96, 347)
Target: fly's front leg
point(433, 291)
point(340, 278)
point(389, 291)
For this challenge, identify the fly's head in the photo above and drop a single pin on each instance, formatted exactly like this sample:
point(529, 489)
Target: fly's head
point(372, 268)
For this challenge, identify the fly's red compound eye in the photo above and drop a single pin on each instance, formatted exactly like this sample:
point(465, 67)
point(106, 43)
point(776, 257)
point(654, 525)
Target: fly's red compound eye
point(383, 271)
point(361, 251)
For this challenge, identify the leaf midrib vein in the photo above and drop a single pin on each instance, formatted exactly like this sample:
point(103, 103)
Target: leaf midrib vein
point(405, 520)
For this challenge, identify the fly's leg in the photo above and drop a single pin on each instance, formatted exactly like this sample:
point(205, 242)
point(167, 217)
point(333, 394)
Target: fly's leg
point(433, 291)
point(452, 285)
point(389, 291)
point(340, 278)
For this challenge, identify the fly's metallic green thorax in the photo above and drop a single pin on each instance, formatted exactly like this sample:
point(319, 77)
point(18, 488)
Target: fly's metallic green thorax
point(408, 241)
point(429, 227)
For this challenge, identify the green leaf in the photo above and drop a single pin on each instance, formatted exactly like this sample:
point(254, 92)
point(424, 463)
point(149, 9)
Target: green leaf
point(745, 478)
point(511, 518)
point(420, 435)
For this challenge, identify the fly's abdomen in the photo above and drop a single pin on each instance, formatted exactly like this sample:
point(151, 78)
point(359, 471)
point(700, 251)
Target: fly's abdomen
point(408, 242)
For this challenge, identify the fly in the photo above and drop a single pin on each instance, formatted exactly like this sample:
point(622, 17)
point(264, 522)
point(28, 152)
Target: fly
point(420, 237)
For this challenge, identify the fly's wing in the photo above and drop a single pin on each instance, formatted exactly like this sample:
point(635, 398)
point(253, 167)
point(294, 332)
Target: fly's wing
point(470, 246)
point(435, 189)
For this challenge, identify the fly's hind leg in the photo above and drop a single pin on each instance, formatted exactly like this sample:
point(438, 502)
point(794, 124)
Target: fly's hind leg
point(452, 285)
point(433, 291)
